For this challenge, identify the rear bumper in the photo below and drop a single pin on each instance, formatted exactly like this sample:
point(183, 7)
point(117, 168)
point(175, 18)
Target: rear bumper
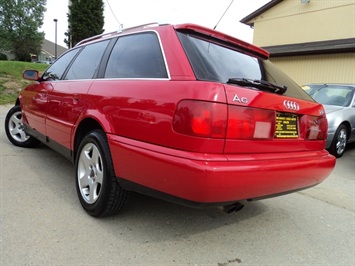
point(206, 179)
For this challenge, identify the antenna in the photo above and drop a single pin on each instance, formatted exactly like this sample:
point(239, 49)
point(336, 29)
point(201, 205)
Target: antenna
point(223, 14)
point(113, 13)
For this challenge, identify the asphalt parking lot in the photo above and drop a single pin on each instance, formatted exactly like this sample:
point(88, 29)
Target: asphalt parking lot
point(42, 222)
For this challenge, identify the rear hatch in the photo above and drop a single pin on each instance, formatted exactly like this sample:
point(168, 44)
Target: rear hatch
point(261, 122)
point(267, 111)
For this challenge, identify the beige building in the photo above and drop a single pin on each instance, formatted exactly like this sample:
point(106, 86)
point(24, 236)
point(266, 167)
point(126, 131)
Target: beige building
point(313, 41)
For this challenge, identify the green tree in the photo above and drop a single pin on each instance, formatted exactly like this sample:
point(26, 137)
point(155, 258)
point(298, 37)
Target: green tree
point(19, 24)
point(85, 19)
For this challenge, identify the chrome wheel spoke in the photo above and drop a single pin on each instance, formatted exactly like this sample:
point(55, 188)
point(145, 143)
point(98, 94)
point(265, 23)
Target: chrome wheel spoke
point(98, 166)
point(23, 135)
point(94, 192)
point(16, 118)
point(14, 131)
point(85, 181)
point(99, 177)
point(86, 158)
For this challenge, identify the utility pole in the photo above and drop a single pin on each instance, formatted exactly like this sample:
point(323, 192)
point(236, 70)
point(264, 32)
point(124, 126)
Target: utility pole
point(55, 46)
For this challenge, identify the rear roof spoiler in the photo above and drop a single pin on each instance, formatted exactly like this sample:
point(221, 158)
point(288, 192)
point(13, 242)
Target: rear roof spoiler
point(250, 48)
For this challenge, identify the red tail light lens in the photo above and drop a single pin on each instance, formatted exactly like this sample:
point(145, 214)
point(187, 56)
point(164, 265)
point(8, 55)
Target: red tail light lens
point(250, 123)
point(202, 119)
point(216, 120)
point(317, 128)
point(208, 119)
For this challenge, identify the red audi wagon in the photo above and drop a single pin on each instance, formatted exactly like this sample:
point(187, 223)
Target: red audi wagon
point(180, 112)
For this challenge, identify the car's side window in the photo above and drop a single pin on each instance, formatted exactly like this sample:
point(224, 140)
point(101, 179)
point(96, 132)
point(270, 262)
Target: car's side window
point(56, 71)
point(87, 62)
point(136, 56)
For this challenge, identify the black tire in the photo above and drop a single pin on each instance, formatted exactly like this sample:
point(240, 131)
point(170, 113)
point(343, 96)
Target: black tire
point(338, 146)
point(15, 131)
point(96, 183)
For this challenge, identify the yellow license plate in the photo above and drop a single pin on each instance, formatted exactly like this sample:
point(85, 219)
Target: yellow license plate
point(286, 126)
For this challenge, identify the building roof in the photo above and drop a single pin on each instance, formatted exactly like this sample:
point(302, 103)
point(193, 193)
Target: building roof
point(48, 47)
point(259, 11)
point(308, 48)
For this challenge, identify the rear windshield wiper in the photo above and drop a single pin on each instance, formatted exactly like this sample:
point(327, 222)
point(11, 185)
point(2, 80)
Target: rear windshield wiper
point(258, 84)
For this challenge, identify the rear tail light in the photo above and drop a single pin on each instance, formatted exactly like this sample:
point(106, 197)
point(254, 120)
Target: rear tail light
point(215, 120)
point(201, 119)
point(250, 123)
point(317, 127)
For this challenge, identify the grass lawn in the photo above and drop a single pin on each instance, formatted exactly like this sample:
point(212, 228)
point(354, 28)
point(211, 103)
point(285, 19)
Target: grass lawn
point(11, 81)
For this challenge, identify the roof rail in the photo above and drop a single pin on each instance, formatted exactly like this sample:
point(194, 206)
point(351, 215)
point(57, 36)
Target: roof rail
point(143, 26)
point(96, 37)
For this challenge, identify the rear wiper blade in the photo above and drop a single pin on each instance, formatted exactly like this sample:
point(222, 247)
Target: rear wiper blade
point(258, 84)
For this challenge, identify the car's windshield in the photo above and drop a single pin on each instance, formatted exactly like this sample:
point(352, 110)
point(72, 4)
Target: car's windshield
point(333, 95)
point(213, 60)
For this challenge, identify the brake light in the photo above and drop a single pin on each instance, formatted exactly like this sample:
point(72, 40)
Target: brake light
point(250, 123)
point(216, 120)
point(317, 127)
point(201, 119)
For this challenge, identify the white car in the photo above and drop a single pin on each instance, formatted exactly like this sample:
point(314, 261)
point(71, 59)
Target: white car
point(339, 103)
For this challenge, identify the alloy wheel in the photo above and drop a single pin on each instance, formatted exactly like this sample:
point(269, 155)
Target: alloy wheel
point(16, 128)
point(90, 173)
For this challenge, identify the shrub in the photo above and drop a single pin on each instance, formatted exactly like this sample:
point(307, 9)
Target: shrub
point(3, 57)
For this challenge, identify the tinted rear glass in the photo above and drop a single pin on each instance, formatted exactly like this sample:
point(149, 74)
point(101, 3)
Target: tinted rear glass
point(214, 61)
point(136, 56)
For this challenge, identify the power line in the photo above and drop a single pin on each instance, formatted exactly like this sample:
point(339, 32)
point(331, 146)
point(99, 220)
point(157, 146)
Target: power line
point(223, 14)
point(113, 13)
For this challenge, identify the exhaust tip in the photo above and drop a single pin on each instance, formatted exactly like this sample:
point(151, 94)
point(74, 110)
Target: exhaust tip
point(235, 207)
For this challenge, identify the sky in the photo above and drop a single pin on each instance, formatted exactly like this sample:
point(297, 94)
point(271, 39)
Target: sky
point(131, 13)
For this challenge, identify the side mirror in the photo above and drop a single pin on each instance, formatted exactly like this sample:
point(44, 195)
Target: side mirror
point(30, 74)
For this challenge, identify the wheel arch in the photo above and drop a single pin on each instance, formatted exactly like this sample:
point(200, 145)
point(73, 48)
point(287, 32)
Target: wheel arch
point(348, 128)
point(86, 125)
point(339, 142)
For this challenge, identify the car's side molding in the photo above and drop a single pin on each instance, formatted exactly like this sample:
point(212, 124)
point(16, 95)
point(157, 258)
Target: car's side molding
point(67, 153)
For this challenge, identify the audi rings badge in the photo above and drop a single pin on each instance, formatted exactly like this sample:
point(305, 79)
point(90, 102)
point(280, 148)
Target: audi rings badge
point(290, 105)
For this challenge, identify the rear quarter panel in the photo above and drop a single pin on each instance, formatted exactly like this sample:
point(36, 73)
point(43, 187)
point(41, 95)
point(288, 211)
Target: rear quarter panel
point(144, 110)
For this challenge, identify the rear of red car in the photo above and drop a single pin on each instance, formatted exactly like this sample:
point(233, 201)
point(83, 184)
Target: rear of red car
point(233, 126)
point(183, 113)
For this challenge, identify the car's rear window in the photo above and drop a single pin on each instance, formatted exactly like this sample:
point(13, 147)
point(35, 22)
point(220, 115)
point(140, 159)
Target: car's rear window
point(220, 62)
